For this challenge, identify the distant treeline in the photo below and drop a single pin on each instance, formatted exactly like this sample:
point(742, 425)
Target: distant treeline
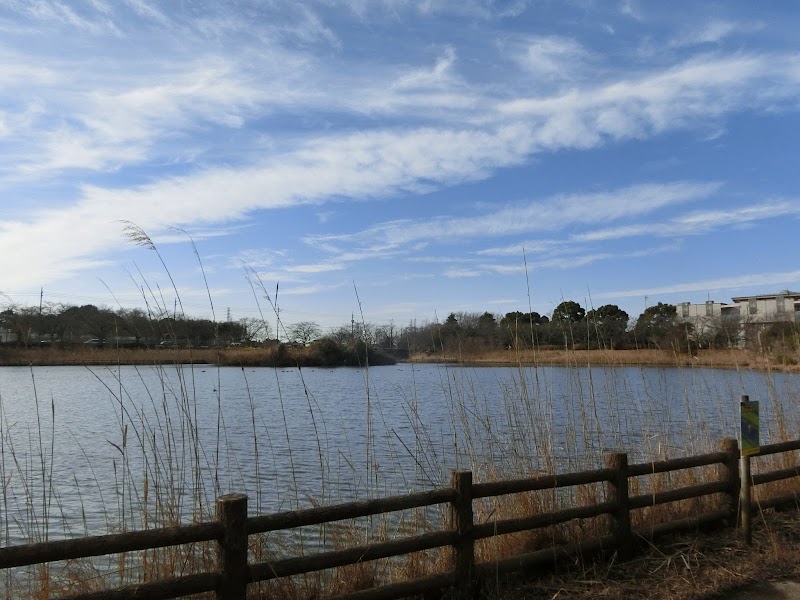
point(71, 325)
point(569, 326)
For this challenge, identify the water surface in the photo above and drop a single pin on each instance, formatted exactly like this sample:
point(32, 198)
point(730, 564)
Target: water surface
point(87, 450)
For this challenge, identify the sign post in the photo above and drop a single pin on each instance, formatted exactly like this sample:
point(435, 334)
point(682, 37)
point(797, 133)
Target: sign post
point(750, 445)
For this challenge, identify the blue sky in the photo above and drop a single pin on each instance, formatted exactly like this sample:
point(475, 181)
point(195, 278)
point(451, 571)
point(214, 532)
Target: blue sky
point(399, 158)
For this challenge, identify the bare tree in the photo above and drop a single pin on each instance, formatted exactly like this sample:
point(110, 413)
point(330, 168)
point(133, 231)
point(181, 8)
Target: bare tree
point(305, 331)
point(255, 330)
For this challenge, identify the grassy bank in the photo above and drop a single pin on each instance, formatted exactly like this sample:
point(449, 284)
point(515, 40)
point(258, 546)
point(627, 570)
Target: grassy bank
point(727, 359)
point(315, 355)
point(328, 355)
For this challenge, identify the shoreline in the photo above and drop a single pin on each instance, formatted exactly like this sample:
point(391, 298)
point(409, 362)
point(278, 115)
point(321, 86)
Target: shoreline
point(721, 359)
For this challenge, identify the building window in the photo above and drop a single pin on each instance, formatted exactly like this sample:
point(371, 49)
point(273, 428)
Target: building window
point(685, 309)
point(709, 308)
point(730, 312)
point(752, 305)
point(780, 304)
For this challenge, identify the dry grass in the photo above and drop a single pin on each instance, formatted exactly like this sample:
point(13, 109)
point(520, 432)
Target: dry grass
point(270, 356)
point(695, 566)
point(81, 356)
point(732, 358)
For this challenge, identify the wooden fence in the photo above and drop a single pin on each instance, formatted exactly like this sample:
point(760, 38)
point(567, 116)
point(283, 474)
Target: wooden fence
point(233, 526)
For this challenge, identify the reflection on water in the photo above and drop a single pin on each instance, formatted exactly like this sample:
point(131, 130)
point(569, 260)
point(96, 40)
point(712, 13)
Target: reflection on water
point(95, 450)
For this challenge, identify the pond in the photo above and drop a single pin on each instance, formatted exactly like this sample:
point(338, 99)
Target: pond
point(90, 450)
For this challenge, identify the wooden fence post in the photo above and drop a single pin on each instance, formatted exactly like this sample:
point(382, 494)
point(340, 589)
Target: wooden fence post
point(730, 446)
point(745, 481)
point(617, 491)
point(461, 520)
point(745, 522)
point(232, 513)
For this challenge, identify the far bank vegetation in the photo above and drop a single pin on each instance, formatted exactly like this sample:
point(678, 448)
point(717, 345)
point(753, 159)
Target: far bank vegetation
point(63, 334)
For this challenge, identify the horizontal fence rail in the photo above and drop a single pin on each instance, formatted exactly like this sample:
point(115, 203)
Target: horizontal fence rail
point(351, 510)
point(100, 545)
point(233, 527)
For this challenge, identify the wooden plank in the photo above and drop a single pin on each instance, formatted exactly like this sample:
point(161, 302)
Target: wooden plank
point(234, 572)
point(175, 587)
point(684, 493)
point(351, 510)
point(780, 501)
point(729, 471)
point(99, 545)
point(461, 520)
point(546, 482)
point(503, 527)
point(778, 448)
point(617, 492)
point(685, 524)
point(779, 475)
point(339, 558)
point(403, 589)
point(546, 556)
point(676, 464)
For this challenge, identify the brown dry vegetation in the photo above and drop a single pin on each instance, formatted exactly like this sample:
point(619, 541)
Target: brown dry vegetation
point(294, 356)
point(726, 359)
point(697, 566)
point(271, 356)
point(107, 356)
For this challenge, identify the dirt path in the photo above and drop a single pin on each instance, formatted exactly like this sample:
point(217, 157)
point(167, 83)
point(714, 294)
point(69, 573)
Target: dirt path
point(770, 590)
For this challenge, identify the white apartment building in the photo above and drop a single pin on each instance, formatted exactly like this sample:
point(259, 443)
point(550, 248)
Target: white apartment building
point(746, 311)
point(763, 308)
point(769, 308)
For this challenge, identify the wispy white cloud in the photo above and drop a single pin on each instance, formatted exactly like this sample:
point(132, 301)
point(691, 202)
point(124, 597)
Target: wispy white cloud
point(551, 57)
point(257, 258)
point(753, 281)
point(439, 259)
point(63, 14)
point(631, 8)
point(147, 10)
point(696, 223)
point(552, 214)
point(629, 108)
point(558, 263)
point(461, 273)
point(196, 201)
point(689, 224)
point(317, 268)
point(309, 289)
point(280, 277)
point(713, 32)
point(527, 247)
point(439, 75)
point(483, 9)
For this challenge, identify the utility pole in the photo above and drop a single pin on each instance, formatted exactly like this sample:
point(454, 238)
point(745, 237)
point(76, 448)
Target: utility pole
point(41, 298)
point(229, 315)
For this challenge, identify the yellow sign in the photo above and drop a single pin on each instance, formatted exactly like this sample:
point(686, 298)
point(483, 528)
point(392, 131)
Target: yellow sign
point(750, 437)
